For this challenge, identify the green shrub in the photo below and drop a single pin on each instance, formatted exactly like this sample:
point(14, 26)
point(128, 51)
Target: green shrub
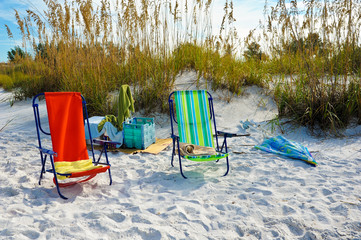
point(6, 82)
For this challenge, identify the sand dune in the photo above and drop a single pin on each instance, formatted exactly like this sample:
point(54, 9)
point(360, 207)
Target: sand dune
point(263, 197)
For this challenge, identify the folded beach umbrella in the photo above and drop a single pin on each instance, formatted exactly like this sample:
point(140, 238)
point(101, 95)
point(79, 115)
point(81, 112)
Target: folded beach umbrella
point(282, 146)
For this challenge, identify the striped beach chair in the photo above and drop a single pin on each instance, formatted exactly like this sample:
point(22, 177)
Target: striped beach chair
point(69, 157)
point(193, 113)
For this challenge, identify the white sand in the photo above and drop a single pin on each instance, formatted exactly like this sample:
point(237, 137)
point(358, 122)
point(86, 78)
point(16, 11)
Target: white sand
point(264, 196)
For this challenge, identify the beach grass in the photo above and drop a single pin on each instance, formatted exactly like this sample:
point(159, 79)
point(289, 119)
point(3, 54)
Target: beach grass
point(316, 56)
point(310, 60)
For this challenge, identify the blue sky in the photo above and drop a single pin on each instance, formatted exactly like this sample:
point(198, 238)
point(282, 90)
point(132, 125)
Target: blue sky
point(247, 12)
point(7, 16)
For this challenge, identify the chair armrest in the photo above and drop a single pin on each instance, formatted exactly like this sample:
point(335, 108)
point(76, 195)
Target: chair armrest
point(175, 137)
point(99, 141)
point(47, 151)
point(226, 134)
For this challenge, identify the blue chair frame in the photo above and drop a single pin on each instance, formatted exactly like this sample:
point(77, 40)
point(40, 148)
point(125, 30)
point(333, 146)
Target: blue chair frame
point(219, 148)
point(44, 153)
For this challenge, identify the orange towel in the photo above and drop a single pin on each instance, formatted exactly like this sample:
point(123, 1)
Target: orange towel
point(66, 122)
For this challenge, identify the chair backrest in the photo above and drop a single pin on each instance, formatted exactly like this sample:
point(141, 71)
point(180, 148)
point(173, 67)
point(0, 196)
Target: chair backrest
point(66, 124)
point(194, 117)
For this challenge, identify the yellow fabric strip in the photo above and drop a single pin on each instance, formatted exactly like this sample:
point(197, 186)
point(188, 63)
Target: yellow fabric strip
point(73, 167)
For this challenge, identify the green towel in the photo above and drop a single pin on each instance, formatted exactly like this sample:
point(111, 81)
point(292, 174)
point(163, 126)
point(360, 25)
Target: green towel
point(125, 104)
point(108, 118)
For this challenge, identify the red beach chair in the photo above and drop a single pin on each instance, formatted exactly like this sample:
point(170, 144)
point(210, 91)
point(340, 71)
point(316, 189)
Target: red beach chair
point(69, 156)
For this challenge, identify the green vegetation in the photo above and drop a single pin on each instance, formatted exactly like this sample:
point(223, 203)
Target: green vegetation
point(94, 49)
point(316, 52)
point(311, 58)
point(17, 54)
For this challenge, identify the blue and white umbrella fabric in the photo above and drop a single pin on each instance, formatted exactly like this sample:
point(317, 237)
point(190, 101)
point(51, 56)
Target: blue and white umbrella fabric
point(282, 146)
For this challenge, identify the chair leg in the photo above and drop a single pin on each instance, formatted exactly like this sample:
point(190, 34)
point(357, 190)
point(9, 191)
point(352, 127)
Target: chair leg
point(226, 150)
point(43, 160)
point(179, 157)
point(106, 158)
point(56, 179)
point(173, 153)
point(227, 167)
point(180, 166)
point(224, 142)
point(110, 177)
point(58, 189)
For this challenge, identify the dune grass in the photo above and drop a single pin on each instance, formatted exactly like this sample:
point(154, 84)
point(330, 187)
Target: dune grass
point(310, 58)
point(315, 53)
point(94, 49)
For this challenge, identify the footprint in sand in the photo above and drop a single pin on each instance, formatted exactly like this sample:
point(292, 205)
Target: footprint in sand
point(242, 196)
point(294, 226)
point(31, 234)
point(92, 215)
point(7, 233)
point(288, 210)
point(256, 190)
point(23, 179)
point(326, 192)
point(309, 236)
point(9, 192)
point(138, 219)
point(257, 234)
point(150, 233)
point(135, 156)
point(116, 217)
point(262, 202)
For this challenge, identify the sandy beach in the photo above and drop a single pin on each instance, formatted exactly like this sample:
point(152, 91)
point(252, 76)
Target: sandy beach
point(264, 196)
